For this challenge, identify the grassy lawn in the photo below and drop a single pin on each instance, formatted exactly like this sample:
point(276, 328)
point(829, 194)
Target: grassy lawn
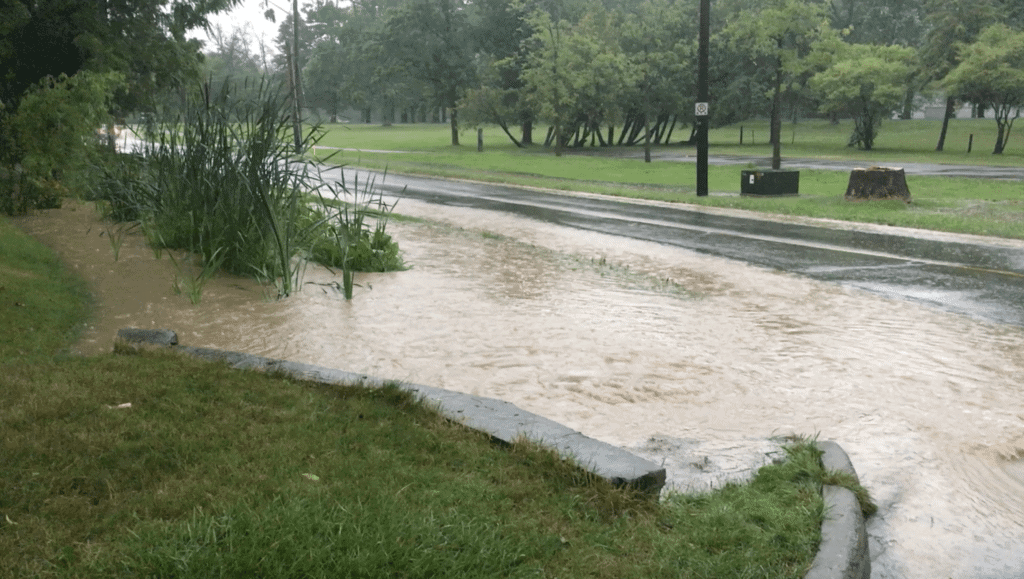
point(905, 141)
point(217, 472)
point(983, 207)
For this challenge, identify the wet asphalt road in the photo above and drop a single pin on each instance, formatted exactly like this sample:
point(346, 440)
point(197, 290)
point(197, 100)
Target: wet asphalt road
point(978, 280)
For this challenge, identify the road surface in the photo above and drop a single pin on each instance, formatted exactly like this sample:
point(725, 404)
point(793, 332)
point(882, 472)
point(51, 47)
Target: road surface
point(965, 275)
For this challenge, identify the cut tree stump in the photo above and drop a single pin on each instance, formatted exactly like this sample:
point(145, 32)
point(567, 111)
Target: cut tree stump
point(877, 183)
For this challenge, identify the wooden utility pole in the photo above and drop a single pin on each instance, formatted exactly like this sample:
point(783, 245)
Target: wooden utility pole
point(702, 111)
point(296, 79)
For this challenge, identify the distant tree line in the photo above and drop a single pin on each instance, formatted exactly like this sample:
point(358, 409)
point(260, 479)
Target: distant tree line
point(590, 72)
point(616, 72)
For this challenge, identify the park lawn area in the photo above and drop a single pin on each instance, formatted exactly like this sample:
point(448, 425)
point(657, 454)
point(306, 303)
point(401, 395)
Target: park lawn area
point(218, 472)
point(959, 205)
point(911, 141)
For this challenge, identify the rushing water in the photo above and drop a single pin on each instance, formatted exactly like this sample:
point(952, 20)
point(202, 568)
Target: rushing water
point(627, 340)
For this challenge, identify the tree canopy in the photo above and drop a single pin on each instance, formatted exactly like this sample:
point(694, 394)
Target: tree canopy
point(610, 72)
point(142, 39)
point(991, 72)
point(867, 82)
point(66, 65)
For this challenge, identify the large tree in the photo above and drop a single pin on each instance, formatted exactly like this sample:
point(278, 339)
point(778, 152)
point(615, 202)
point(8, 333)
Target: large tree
point(233, 59)
point(348, 65)
point(991, 73)
point(500, 33)
point(881, 22)
point(327, 67)
point(782, 32)
point(431, 41)
point(658, 38)
point(576, 72)
point(145, 40)
point(65, 63)
point(867, 82)
point(951, 23)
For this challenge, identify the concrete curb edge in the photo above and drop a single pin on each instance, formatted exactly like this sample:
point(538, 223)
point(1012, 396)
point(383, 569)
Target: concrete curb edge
point(502, 421)
point(843, 552)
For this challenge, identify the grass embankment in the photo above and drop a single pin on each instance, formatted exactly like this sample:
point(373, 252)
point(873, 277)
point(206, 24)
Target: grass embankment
point(960, 205)
point(217, 472)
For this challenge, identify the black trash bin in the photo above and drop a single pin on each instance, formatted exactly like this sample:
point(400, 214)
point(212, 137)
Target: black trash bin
point(770, 183)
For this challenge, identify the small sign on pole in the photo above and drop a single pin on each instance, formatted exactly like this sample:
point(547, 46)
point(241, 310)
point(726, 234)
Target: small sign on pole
point(701, 109)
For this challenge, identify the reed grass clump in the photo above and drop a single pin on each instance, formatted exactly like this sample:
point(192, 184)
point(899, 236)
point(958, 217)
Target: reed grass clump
point(353, 236)
point(221, 181)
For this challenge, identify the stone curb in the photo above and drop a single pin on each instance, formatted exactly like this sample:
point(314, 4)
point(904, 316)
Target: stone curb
point(502, 421)
point(843, 552)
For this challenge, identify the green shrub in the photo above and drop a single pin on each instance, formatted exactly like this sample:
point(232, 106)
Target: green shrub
point(48, 143)
point(221, 181)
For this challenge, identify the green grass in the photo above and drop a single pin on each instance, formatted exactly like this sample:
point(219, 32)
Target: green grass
point(218, 472)
point(912, 141)
point(41, 306)
point(909, 141)
point(961, 205)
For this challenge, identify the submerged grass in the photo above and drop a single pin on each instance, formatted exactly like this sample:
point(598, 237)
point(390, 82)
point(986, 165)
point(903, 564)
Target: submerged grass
point(216, 472)
point(960, 205)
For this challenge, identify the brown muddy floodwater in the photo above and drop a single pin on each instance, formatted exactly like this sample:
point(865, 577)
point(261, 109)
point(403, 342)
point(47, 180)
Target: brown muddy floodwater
point(627, 340)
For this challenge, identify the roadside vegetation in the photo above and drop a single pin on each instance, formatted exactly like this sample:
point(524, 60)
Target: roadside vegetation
point(221, 182)
point(151, 464)
point(961, 205)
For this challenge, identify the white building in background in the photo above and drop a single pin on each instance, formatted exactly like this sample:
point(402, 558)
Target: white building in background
point(933, 108)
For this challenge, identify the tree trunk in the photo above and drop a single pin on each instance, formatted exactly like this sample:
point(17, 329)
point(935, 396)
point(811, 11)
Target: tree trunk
point(776, 135)
point(908, 105)
point(297, 73)
point(504, 127)
point(1000, 142)
point(527, 133)
point(877, 183)
point(634, 133)
point(693, 136)
point(579, 135)
point(626, 128)
point(647, 138)
point(950, 111)
point(659, 128)
point(294, 93)
point(455, 127)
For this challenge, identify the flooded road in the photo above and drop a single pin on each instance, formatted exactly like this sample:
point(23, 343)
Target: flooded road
point(626, 340)
point(977, 276)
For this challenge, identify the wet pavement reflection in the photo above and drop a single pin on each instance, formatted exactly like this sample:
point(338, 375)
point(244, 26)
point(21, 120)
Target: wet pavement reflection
point(628, 340)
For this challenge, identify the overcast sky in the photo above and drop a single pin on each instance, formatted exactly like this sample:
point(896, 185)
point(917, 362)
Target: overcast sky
point(248, 12)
